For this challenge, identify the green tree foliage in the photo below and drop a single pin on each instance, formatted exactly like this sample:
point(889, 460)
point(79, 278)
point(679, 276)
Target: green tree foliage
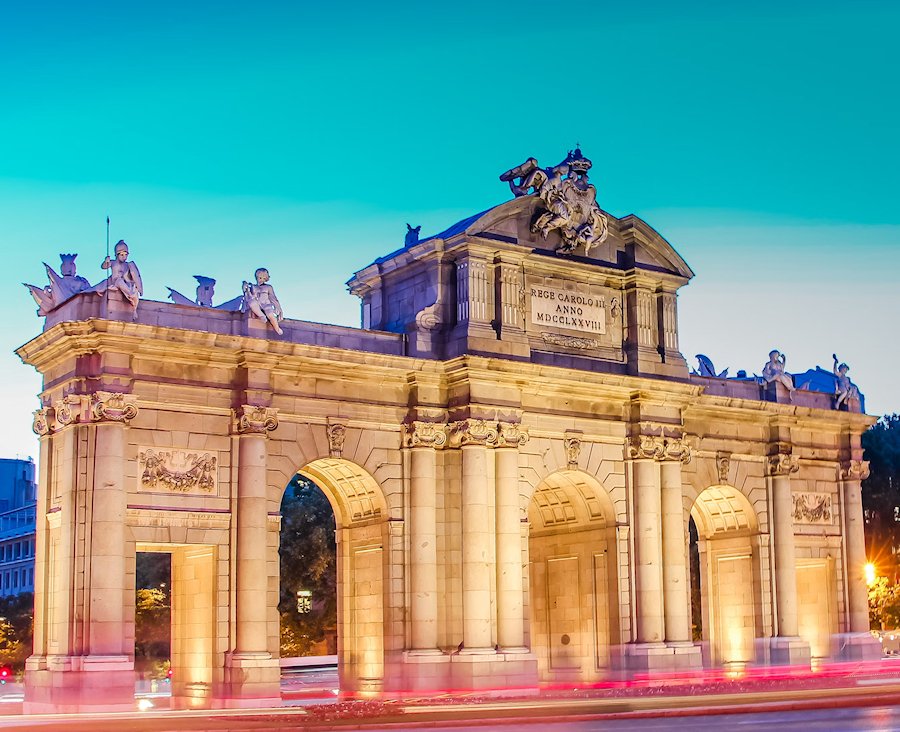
point(881, 493)
point(884, 604)
point(16, 630)
point(152, 613)
point(308, 562)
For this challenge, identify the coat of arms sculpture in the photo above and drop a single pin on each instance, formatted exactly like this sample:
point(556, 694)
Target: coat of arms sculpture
point(570, 201)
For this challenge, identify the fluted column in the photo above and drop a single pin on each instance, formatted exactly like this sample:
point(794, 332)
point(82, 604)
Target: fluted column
point(422, 438)
point(474, 437)
point(252, 424)
point(647, 546)
point(510, 609)
point(110, 412)
point(675, 572)
point(781, 467)
point(852, 472)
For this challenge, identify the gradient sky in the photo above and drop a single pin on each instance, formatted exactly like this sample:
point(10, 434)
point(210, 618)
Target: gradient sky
point(220, 137)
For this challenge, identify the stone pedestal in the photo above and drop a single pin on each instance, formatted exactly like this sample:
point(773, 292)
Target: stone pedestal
point(661, 657)
point(856, 647)
point(788, 651)
point(488, 669)
point(79, 684)
point(250, 680)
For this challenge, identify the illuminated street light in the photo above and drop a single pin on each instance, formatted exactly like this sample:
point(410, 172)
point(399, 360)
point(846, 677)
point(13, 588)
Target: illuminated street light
point(304, 601)
point(870, 574)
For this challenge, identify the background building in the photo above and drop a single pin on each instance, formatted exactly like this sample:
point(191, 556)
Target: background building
point(17, 519)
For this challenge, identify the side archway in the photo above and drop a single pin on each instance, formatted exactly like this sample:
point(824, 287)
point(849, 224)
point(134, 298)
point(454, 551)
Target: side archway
point(729, 578)
point(572, 549)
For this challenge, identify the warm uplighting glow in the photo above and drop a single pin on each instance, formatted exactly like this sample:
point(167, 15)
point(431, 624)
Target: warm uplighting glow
point(145, 704)
point(870, 574)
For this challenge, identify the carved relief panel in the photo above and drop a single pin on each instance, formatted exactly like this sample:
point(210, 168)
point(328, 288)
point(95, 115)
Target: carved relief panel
point(167, 470)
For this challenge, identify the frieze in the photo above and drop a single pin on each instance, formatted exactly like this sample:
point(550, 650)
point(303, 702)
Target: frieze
point(109, 406)
point(251, 420)
point(474, 432)
point(512, 434)
point(177, 471)
point(583, 344)
point(425, 434)
point(854, 470)
point(782, 464)
point(812, 508)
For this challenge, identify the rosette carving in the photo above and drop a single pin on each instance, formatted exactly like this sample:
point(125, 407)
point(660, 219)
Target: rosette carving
point(511, 434)
point(474, 432)
point(41, 422)
point(854, 470)
point(425, 434)
point(107, 406)
point(783, 464)
point(250, 420)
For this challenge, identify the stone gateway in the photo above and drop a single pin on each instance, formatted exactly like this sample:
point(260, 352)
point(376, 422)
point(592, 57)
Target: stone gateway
point(515, 450)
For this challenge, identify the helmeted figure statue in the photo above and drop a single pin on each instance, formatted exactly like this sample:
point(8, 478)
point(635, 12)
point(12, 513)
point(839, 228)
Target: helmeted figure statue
point(124, 276)
point(570, 201)
point(62, 286)
point(260, 300)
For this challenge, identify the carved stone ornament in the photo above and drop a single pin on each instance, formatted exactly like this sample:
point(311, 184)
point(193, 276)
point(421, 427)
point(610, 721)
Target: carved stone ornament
point(570, 341)
point(854, 470)
point(41, 423)
point(474, 432)
point(336, 434)
point(573, 451)
point(63, 415)
point(812, 508)
point(107, 406)
point(512, 434)
point(723, 466)
point(569, 201)
point(177, 471)
point(425, 434)
point(658, 447)
point(255, 420)
point(783, 464)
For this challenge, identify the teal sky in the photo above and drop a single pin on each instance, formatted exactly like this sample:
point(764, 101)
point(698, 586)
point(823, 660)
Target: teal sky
point(219, 137)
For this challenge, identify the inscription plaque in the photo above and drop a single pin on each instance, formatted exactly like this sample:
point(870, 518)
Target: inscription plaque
point(555, 308)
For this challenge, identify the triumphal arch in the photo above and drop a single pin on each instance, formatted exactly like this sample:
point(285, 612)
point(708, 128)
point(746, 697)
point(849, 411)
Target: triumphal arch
point(514, 447)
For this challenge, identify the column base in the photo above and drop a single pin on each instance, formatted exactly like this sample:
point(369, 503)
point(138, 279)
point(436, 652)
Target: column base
point(788, 651)
point(250, 680)
point(856, 647)
point(78, 684)
point(661, 657)
point(488, 669)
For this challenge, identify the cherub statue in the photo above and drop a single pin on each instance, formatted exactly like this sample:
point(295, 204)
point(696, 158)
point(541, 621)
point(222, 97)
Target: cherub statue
point(844, 389)
point(774, 370)
point(61, 288)
point(412, 235)
point(260, 300)
point(123, 276)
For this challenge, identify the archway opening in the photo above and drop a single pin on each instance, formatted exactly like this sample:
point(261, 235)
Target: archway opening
point(307, 604)
point(152, 619)
point(725, 576)
point(573, 583)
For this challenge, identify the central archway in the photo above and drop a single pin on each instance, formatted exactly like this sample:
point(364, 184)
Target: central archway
point(573, 577)
point(360, 513)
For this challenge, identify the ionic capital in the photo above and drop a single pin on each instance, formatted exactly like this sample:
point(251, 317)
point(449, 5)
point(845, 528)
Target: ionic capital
point(107, 406)
point(251, 420)
point(41, 422)
point(425, 434)
point(782, 464)
point(659, 448)
point(474, 432)
point(854, 469)
point(512, 434)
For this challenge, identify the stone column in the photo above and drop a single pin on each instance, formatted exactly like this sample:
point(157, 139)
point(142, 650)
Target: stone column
point(647, 546)
point(251, 572)
point(510, 610)
point(852, 472)
point(676, 588)
point(477, 534)
point(781, 467)
point(422, 438)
